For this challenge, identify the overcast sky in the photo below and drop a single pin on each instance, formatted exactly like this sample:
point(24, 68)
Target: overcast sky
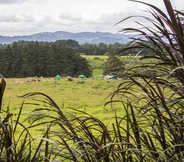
point(25, 17)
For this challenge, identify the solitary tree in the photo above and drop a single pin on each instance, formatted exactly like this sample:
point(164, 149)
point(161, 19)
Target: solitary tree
point(113, 65)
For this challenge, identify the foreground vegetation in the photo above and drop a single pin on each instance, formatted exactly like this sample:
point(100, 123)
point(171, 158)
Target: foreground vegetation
point(87, 95)
point(150, 127)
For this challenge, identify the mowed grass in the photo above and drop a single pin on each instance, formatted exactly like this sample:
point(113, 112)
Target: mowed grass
point(88, 95)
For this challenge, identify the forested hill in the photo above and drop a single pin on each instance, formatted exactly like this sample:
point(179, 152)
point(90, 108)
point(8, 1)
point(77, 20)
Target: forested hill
point(81, 38)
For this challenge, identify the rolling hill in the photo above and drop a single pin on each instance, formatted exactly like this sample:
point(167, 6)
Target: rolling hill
point(81, 37)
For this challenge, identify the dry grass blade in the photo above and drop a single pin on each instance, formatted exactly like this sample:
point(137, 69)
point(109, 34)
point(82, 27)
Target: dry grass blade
point(59, 118)
point(40, 144)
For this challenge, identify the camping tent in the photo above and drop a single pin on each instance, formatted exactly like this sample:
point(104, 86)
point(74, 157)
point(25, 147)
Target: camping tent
point(57, 76)
point(81, 76)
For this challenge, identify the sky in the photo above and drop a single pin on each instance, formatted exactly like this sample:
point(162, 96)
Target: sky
point(26, 17)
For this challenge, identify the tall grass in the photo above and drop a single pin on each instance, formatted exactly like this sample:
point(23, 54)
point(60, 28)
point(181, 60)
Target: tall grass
point(152, 128)
point(155, 116)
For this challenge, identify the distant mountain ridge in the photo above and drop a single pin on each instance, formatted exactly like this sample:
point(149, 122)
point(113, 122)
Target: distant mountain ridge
point(81, 37)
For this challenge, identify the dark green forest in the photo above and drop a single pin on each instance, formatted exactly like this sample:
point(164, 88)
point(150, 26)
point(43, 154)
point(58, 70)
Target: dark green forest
point(47, 59)
point(23, 59)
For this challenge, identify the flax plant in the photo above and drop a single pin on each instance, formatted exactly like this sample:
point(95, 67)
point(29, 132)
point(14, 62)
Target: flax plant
point(16, 142)
point(154, 102)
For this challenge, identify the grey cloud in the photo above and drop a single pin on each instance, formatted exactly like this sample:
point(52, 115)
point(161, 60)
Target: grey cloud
point(117, 17)
point(8, 17)
point(13, 17)
point(43, 21)
point(71, 17)
point(27, 18)
point(30, 17)
point(11, 1)
point(17, 29)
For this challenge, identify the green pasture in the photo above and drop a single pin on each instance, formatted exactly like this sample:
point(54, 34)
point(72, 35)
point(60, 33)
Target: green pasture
point(88, 95)
point(97, 62)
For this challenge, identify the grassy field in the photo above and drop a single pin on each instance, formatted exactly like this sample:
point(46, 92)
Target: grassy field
point(97, 62)
point(88, 95)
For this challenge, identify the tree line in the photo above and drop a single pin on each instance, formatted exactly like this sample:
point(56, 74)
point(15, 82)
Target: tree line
point(99, 49)
point(87, 49)
point(23, 59)
point(32, 58)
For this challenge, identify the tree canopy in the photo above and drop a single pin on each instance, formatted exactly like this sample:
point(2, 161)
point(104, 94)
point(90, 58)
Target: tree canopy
point(41, 59)
point(113, 65)
point(29, 58)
